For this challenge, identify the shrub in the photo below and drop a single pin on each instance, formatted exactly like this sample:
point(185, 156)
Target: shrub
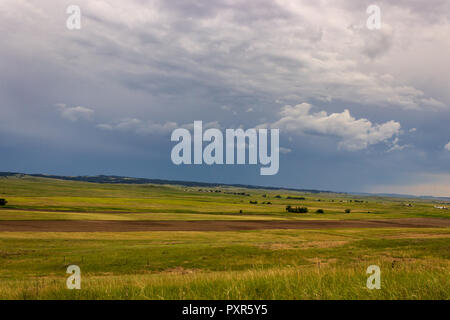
point(278, 196)
point(3, 202)
point(347, 210)
point(319, 211)
point(296, 209)
point(296, 198)
point(253, 202)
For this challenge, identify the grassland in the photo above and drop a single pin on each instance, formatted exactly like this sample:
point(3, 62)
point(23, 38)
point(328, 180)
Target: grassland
point(256, 264)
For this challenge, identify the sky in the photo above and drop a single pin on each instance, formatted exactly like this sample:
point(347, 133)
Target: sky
point(359, 110)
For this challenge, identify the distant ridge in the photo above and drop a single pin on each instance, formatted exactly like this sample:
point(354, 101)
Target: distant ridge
point(131, 180)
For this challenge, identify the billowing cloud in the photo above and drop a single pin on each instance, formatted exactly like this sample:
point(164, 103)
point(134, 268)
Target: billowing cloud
point(354, 134)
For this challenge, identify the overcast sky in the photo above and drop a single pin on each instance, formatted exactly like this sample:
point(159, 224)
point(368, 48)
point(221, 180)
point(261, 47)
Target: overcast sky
point(358, 109)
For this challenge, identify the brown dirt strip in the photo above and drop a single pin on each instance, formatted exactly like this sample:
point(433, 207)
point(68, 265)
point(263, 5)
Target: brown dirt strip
point(212, 225)
point(70, 210)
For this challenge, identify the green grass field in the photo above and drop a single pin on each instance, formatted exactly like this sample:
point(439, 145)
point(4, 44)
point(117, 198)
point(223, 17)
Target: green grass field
point(256, 264)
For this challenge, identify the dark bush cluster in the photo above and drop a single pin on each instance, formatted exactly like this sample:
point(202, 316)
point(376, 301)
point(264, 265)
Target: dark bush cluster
point(296, 209)
point(211, 190)
point(296, 198)
point(3, 202)
point(253, 202)
point(319, 211)
point(347, 210)
point(238, 193)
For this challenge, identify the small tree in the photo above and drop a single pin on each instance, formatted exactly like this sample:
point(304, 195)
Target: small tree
point(288, 208)
point(347, 210)
point(302, 210)
point(3, 202)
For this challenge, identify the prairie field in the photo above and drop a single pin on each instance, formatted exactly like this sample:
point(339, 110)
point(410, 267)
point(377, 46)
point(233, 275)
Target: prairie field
point(409, 239)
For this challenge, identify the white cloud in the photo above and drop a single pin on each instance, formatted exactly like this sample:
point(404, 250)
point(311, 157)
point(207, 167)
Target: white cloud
point(148, 127)
point(395, 146)
point(128, 123)
point(447, 146)
point(74, 113)
point(354, 134)
point(139, 127)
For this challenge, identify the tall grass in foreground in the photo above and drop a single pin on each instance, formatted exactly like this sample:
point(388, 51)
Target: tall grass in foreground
point(410, 281)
